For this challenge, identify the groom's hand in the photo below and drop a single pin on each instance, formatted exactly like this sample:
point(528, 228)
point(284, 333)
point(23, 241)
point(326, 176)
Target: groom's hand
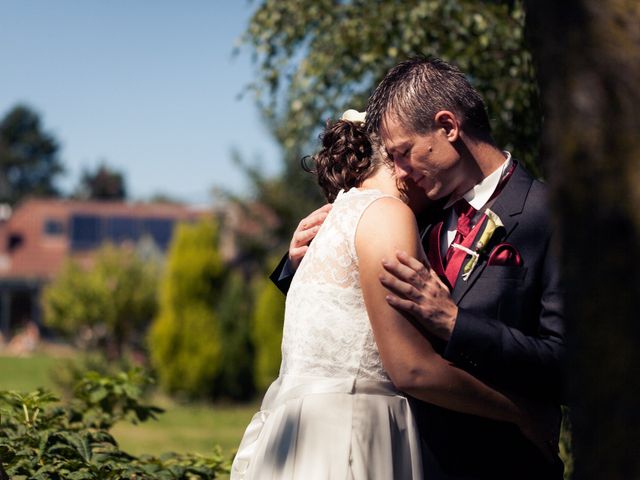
point(306, 231)
point(541, 425)
point(416, 290)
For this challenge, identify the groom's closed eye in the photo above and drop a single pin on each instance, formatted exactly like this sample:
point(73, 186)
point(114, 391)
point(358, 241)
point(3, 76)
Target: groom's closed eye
point(389, 154)
point(396, 156)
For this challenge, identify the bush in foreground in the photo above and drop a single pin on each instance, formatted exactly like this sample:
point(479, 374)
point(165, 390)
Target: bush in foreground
point(42, 440)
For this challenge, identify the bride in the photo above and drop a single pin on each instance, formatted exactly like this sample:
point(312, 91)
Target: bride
point(336, 410)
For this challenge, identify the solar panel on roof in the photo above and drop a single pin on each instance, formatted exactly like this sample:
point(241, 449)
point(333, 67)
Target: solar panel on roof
point(121, 228)
point(159, 229)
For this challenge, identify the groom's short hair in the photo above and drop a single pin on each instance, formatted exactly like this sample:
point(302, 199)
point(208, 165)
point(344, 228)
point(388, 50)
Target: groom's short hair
point(417, 89)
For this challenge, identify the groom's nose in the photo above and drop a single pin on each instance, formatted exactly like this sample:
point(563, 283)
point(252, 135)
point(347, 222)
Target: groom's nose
point(402, 170)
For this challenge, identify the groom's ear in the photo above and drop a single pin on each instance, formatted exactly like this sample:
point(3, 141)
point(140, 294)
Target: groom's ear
point(449, 124)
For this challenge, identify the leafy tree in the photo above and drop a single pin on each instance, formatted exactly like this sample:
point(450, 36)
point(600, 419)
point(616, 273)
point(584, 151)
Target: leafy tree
point(588, 52)
point(268, 319)
point(103, 184)
point(316, 58)
point(29, 162)
point(111, 302)
point(185, 339)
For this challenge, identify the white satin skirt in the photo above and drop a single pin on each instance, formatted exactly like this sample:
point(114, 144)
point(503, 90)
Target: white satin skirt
point(330, 428)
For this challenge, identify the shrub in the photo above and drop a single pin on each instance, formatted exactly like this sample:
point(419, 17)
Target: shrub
point(268, 319)
point(185, 340)
point(235, 378)
point(39, 440)
point(566, 451)
point(115, 296)
point(69, 371)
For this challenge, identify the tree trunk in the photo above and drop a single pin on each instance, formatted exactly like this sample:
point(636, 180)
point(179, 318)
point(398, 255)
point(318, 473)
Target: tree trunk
point(588, 58)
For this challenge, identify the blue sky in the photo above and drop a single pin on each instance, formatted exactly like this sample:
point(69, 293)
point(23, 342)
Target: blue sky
point(149, 86)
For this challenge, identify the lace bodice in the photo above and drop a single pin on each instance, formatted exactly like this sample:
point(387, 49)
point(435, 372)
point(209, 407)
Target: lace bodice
point(326, 328)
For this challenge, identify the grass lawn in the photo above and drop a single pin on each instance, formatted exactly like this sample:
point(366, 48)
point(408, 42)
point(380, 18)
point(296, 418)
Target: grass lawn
point(181, 428)
point(26, 373)
point(187, 428)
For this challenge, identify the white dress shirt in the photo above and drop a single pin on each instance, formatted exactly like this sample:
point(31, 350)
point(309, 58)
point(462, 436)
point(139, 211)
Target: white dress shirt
point(479, 197)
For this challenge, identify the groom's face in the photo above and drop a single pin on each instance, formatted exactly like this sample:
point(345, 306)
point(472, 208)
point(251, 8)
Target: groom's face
point(427, 159)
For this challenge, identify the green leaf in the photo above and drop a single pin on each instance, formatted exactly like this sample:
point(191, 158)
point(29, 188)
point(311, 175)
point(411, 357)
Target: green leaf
point(98, 394)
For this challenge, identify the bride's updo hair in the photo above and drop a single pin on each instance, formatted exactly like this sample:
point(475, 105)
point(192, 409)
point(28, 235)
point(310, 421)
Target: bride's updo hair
point(348, 156)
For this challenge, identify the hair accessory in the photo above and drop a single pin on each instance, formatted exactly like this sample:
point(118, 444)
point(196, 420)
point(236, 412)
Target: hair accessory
point(354, 116)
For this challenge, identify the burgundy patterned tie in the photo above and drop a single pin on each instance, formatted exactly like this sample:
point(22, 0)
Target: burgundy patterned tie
point(465, 214)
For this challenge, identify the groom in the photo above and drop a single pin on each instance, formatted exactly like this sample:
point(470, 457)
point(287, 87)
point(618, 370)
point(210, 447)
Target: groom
point(490, 294)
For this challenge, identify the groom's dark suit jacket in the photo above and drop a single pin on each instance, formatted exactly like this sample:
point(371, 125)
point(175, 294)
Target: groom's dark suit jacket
point(510, 333)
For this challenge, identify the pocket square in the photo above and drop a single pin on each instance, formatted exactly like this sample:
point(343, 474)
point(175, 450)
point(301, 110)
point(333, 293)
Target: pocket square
point(505, 255)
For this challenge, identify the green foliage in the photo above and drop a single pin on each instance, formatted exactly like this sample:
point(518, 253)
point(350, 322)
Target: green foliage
point(185, 339)
point(235, 379)
point(316, 58)
point(116, 295)
point(566, 441)
point(105, 400)
point(29, 162)
point(268, 319)
point(104, 183)
point(39, 440)
point(69, 371)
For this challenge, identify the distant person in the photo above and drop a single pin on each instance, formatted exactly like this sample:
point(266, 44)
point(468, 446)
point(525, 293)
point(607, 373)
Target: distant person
point(25, 341)
point(336, 409)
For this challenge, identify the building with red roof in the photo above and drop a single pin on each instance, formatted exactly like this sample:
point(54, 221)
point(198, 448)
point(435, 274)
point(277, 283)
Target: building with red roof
point(41, 234)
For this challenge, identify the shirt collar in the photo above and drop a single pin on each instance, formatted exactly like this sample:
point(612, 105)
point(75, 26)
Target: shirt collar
point(481, 193)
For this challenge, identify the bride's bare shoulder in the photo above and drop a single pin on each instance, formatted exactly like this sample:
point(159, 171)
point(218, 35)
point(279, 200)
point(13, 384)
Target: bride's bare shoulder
point(387, 223)
point(386, 210)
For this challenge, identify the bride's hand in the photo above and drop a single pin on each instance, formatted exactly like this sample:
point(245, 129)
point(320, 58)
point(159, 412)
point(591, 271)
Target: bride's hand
point(306, 231)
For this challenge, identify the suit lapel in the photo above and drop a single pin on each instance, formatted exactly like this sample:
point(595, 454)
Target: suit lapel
point(508, 206)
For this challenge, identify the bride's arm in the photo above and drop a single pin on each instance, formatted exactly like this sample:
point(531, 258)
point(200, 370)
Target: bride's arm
point(387, 226)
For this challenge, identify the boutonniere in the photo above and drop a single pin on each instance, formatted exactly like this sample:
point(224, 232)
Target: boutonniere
point(493, 223)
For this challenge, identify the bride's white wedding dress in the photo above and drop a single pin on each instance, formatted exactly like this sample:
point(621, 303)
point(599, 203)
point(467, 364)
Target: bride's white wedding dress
point(332, 413)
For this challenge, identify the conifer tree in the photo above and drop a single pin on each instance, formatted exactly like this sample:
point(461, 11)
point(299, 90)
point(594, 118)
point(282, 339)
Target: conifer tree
point(185, 339)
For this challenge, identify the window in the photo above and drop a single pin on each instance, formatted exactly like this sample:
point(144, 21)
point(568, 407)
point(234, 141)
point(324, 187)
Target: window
point(53, 227)
point(14, 241)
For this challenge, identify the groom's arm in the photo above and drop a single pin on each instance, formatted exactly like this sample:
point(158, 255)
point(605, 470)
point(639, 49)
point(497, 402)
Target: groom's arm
point(283, 274)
